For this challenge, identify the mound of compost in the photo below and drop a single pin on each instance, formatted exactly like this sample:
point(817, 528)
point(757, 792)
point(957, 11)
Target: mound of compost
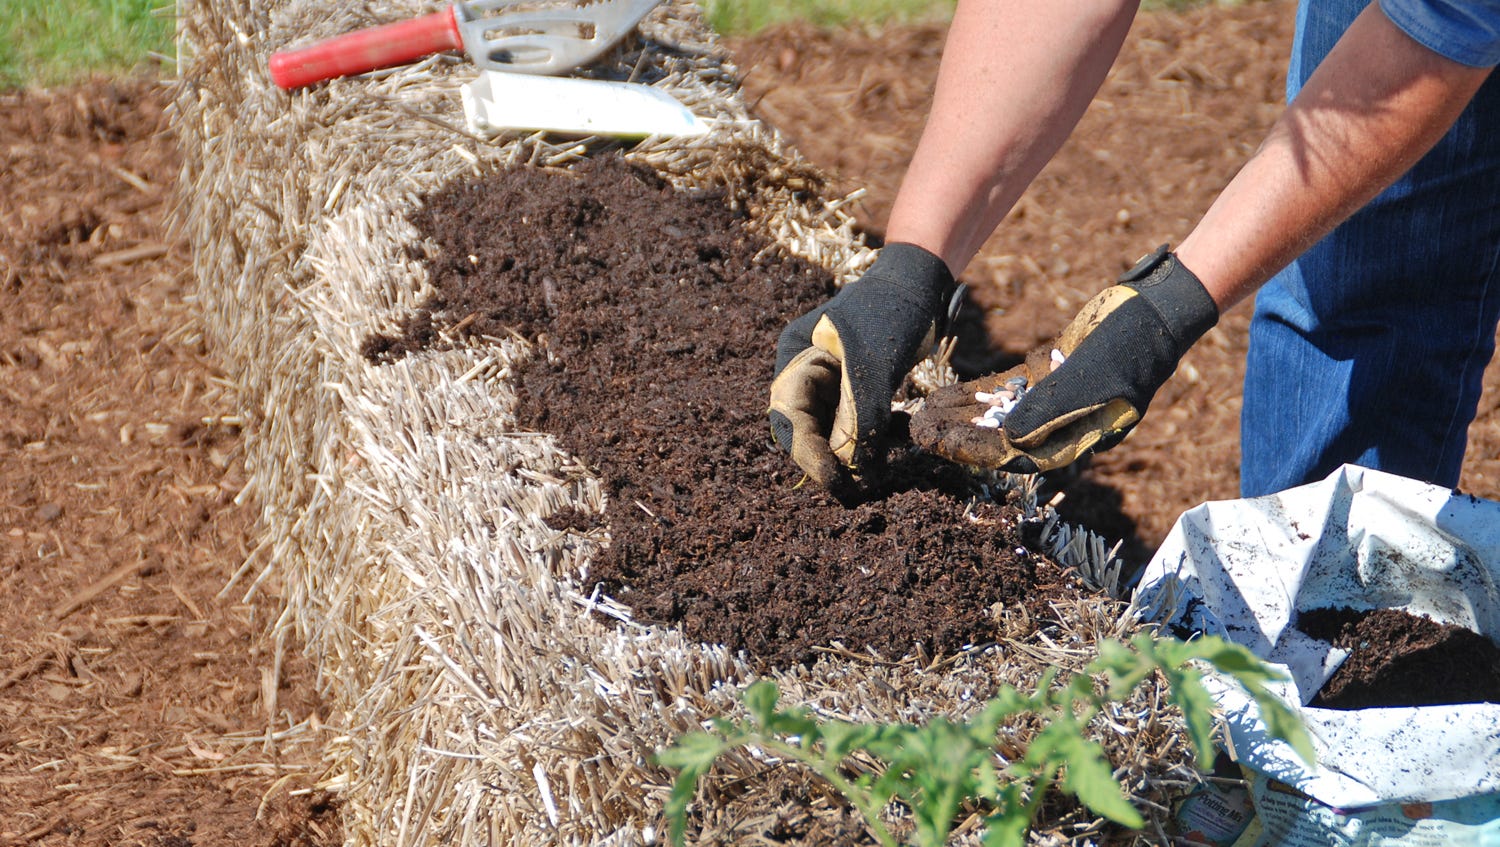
point(659, 313)
point(1401, 659)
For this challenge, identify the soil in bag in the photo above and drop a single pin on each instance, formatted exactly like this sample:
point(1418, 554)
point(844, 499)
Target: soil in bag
point(1400, 659)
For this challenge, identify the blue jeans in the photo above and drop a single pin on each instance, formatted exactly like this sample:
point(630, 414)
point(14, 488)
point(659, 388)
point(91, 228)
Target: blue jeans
point(1370, 348)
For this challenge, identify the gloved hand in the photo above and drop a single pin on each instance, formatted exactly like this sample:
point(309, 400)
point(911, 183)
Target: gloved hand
point(1116, 354)
point(838, 366)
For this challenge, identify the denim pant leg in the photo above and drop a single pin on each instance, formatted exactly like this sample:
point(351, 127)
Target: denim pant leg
point(1371, 347)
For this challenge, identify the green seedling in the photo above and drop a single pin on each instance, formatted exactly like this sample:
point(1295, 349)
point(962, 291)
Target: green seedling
point(941, 768)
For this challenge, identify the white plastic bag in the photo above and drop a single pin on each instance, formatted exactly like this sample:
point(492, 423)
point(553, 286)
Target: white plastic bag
point(1359, 539)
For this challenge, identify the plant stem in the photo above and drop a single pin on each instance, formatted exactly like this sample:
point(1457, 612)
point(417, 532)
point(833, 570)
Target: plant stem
point(856, 795)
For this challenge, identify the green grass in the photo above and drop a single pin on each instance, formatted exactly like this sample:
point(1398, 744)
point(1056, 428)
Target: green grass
point(47, 42)
point(745, 17)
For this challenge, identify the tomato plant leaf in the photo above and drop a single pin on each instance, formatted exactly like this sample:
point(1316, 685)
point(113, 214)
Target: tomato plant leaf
point(694, 750)
point(1197, 707)
point(692, 756)
point(1283, 723)
point(1008, 826)
point(760, 701)
point(1090, 778)
point(841, 738)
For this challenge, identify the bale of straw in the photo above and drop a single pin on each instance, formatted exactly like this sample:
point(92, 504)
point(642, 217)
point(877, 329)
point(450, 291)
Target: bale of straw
point(479, 694)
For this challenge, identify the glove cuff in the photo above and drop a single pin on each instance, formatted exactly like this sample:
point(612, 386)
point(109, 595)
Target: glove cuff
point(922, 273)
point(1185, 306)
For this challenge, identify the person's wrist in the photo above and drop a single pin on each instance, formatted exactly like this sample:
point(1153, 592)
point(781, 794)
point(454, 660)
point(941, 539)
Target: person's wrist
point(1223, 273)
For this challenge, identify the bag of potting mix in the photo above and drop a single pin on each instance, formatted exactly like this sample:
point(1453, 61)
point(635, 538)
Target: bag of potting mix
point(1379, 597)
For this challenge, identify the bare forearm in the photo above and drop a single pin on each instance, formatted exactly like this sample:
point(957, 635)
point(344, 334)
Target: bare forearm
point(1376, 104)
point(1015, 78)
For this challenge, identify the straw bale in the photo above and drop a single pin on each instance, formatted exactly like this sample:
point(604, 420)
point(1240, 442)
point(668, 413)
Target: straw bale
point(481, 693)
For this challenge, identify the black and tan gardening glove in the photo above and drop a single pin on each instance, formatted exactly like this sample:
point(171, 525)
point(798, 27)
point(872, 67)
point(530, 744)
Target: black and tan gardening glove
point(838, 366)
point(1109, 362)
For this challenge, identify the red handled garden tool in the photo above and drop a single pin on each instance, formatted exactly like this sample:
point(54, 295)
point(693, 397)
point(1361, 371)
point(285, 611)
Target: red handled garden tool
point(506, 35)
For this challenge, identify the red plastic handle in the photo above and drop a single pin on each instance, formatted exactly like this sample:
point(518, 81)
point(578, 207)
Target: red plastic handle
point(367, 50)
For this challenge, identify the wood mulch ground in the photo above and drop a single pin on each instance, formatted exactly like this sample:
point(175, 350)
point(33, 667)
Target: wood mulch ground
point(140, 702)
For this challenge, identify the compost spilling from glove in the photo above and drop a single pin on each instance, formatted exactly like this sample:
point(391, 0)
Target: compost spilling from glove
point(1084, 392)
point(838, 366)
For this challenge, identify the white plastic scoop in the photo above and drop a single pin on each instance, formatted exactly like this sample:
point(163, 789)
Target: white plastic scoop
point(500, 100)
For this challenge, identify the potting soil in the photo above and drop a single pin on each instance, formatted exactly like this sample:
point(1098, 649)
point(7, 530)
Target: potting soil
point(1400, 659)
point(659, 312)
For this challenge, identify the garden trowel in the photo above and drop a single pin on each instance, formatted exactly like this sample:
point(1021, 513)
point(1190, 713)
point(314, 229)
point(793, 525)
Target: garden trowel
point(499, 101)
point(522, 36)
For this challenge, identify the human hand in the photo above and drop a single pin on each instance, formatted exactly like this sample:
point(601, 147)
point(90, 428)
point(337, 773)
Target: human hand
point(838, 366)
point(1087, 390)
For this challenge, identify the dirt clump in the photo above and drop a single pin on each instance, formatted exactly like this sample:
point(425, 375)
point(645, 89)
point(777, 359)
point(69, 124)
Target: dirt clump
point(659, 314)
point(1400, 659)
